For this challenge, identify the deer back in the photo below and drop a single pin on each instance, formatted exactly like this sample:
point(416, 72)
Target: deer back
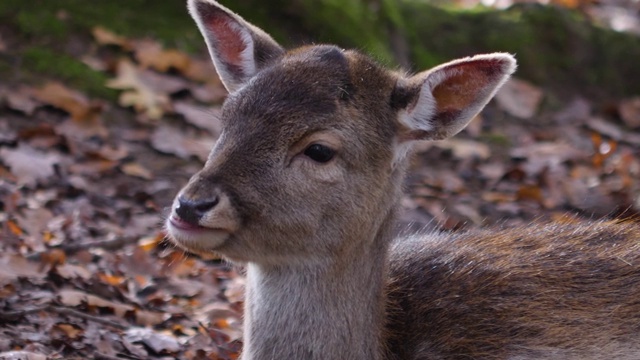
point(546, 291)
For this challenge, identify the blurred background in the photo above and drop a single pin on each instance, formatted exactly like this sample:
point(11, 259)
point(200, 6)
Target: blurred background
point(108, 107)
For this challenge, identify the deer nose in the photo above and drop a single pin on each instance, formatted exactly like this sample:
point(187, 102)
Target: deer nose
point(192, 210)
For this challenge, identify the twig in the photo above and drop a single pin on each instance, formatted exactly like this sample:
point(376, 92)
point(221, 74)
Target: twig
point(113, 244)
point(76, 313)
point(15, 315)
point(101, 356)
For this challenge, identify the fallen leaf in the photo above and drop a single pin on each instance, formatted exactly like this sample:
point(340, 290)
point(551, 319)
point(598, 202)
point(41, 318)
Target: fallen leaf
point(519, 98)
point(106, 37)
point(69, 331)
point(576, 112)
point(605, 127)
point(76, 104)
point(80, 131)
point(202, 71)
point(172, 140)
point(465, 149)
point(546, 154)
point(157, 342)
point(14, 228)
point(21, 100)
point(630, 111)
point(15, 266)
point(70, 271)
point(209, 93)
point(22, 355)
point(150, 53)
point(29, 165)
point(207, 118)
point(141, 96)
point(137, 170)
point(76, 298)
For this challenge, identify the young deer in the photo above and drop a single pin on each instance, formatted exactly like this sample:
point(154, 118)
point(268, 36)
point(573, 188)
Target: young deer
point(303, 187)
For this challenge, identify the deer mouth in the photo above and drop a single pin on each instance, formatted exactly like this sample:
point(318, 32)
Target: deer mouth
point(194, 237)
point(178, 223)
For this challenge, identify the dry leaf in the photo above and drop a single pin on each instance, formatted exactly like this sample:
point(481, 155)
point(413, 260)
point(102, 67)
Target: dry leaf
point(14, 266)
point(150, 54)
point(630, 112)
point(137, 170)
point(21, 100)
point(171, 140)
point(29, 165)
point(519, 98)
point(69, 331)
point(22, 355)
point(209, 93)
point(73, 102)
point(106, 37)
point(157, 342)
point(142, 97)
point(202, 71)
point(76, 298)
point(207, 118)
point(465, 149)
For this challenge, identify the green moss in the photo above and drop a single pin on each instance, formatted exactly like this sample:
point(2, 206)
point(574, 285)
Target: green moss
point(67, 69)
point(41, 24)
point(53, 21)
point(495, 139)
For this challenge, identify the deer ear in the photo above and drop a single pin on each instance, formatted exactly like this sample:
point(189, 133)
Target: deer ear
point(438, 103)
point(238, 49)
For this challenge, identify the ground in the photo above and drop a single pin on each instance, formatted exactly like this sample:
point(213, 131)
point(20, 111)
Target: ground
point(105, 113)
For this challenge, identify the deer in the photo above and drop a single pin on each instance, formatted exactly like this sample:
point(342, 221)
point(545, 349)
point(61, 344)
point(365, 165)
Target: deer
point(303, 188)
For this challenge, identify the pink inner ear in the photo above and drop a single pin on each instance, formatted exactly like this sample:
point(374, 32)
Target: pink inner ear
point(226, 33)
point(466, 83)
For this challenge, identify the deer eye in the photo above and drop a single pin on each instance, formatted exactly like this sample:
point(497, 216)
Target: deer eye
point(319, 153)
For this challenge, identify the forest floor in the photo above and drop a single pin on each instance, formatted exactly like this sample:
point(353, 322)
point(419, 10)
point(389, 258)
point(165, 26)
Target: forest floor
point(88, 172)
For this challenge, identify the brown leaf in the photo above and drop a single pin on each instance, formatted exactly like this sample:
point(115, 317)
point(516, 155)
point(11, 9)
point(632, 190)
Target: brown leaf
point(150, 54)
point(207, 118)
point(21, 100)
point(106, 37)
point(28, 164)
point(14, 228)
point(202, 71)
point(73, 102)
point(209, 93)
point(157, 342)
point(76, 298)
point(137, 170)
point(14, 266)
point(465, 149)
point(630, 112)
point(66, 330)
point(22, 355)
point(519, 98)
point(141, 96)
point(171, 140)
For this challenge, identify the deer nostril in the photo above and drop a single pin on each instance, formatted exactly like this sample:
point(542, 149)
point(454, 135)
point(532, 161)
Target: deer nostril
point(191, 211)
point(204, 206)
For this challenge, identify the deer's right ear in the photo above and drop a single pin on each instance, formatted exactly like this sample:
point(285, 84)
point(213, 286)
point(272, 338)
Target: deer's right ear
point(238, 49)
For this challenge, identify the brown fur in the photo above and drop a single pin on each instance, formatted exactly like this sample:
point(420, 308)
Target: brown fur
point(547, 291)
point(325, 278)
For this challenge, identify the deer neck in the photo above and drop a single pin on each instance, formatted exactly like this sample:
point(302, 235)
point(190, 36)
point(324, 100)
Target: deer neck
point(325, 311)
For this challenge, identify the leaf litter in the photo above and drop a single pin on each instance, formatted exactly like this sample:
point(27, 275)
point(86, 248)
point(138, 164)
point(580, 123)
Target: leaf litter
point(85, 185)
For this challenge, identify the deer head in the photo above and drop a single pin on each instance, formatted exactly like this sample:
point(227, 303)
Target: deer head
point(311, 154)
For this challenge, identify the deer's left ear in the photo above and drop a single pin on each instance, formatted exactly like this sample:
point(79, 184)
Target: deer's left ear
point(438, 103)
